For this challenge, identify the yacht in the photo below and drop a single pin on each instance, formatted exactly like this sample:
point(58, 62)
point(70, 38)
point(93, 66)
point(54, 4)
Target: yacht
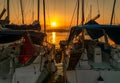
point(92, 54)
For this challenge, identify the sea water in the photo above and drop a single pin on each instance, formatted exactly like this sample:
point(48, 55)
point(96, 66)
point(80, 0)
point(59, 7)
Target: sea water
point(56, 37)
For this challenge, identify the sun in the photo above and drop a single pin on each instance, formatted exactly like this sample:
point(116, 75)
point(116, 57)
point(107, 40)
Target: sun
point(53, 24)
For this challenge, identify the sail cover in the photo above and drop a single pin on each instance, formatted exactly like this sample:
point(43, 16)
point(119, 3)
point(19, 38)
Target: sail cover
point(96, 31)
point(114, 34)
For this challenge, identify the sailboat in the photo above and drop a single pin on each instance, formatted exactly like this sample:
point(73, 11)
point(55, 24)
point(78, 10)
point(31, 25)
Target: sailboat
point(25, 55)
point(89, 60)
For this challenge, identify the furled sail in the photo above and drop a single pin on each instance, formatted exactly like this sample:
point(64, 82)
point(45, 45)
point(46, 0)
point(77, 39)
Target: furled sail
point(7, 36)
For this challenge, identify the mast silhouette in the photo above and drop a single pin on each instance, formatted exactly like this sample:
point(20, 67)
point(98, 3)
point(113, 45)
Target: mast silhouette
point(78, 3)
point(82, 23)
point(21, 5)
point(38, 10)
point(113, 11)
point(8, 12)
point(44, 16)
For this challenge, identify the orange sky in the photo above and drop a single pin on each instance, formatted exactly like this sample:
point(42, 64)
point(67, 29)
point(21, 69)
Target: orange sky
point(61, 11)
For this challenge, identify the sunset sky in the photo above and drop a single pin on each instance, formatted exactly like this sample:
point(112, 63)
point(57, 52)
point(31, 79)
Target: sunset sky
point(61, 11)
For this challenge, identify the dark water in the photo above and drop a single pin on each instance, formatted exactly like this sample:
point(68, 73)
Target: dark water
point(54, 38)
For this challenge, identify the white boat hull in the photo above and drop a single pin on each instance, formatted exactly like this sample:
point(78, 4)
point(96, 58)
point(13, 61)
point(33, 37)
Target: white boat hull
point(91, 76)
point(30, 73)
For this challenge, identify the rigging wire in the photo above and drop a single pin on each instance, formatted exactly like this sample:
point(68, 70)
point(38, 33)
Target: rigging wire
point(44, 12)
point(32, 10)
point(87, 10)
point(25, 8)
point(19, 21)
point(29, 15)
point(4, 6)
point(4, 3)
point(55, 9)
point(38, 11)
point(115, 17)
point(47, 10)
point(22, 11)
point(1, 3)
point(29, 9)
point(78, 7)
point(15, 10)
point(89, 17)
point(90, 12)
point(118, 12)
point(103, 9)
point(73, 14)
point(65, 15)
point(98, 7)
point(113, 11)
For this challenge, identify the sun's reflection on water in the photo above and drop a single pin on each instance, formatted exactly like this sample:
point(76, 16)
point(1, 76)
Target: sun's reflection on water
point(53, 37)
point(56, 37)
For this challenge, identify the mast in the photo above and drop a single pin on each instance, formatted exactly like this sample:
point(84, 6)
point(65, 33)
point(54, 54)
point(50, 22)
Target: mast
point(44, 16)
point(82, 23)
point(90, 12)
point(8, 12)
point(78, 11)
point(22, 11)
point(38, 9)
point(82, 12)
point(113, 11)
